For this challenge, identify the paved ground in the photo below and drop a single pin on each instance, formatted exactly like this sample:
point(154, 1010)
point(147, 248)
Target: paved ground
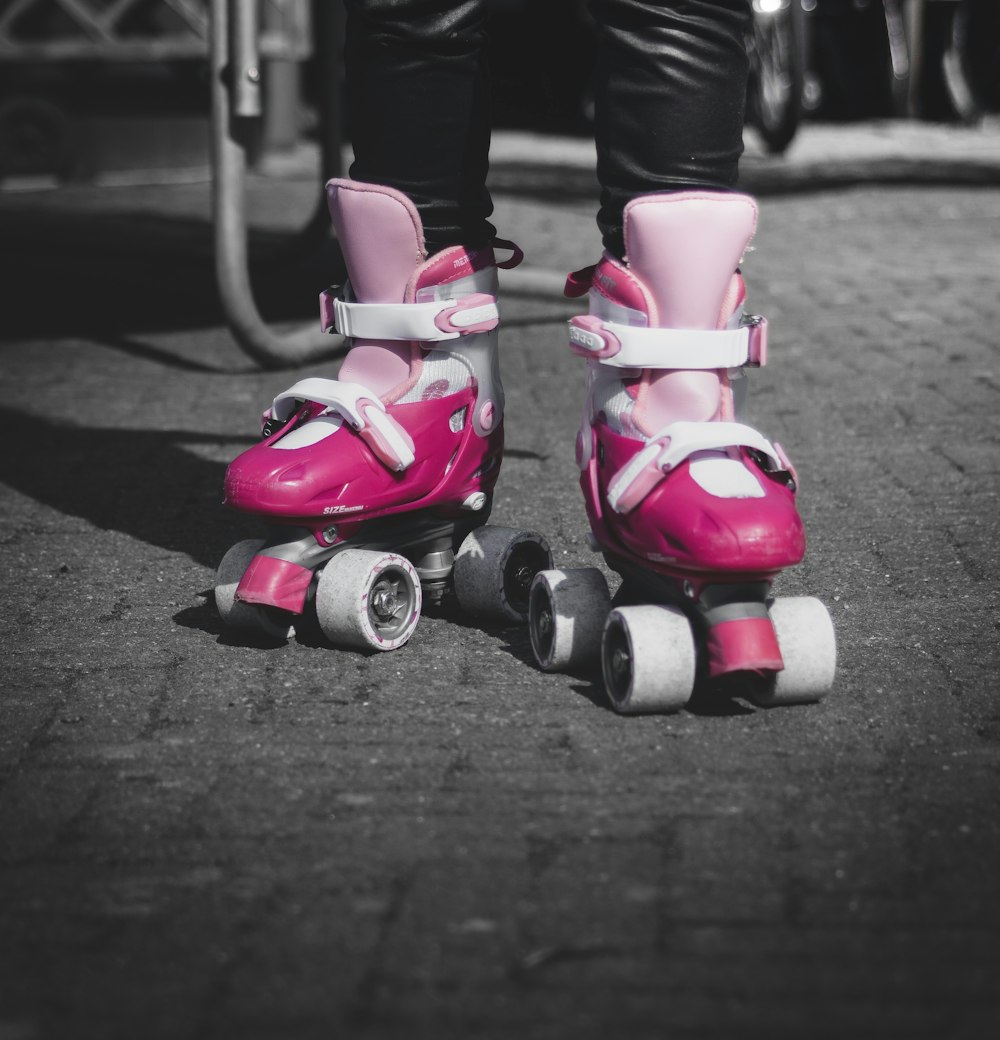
point(204, 837)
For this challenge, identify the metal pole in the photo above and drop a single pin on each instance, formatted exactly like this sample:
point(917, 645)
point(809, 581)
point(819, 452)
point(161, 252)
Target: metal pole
point(230, 136)
point(279, 128)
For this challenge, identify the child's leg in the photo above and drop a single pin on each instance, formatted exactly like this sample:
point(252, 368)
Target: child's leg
point(693, 508)
point(670, 95)
point(418, 110)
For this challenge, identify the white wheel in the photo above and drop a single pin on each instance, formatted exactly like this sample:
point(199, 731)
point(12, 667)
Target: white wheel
point(566, 615)
point(648, 657)
point(248, 617)
point(368, 600)
point(809, 649)
point(494, 569)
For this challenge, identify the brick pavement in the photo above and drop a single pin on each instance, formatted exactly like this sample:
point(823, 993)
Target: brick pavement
point(201, 837)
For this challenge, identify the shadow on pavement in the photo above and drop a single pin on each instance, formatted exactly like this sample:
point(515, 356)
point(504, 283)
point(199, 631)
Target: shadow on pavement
point(132, 347)
point(205, 618)
point(145, 483)
point(110, 277)
point(99, 275)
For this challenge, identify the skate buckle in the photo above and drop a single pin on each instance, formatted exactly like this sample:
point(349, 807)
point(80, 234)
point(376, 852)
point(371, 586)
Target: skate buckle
point(756, 326)
point(589, 338)
point(476, 313)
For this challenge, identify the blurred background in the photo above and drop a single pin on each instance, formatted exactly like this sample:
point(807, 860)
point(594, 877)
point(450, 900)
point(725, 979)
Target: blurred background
point(88, 86)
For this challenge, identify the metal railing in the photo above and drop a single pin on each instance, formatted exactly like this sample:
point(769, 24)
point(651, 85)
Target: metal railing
point(236, 37)
point(139, 30)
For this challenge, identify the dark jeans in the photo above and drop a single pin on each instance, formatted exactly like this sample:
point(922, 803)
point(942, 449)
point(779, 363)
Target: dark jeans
point(669, 98)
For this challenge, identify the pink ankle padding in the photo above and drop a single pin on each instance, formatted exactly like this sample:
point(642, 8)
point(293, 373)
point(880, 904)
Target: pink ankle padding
point(381, 366)
point(670, 396)
point(382, 239)
point(381, 236)
point(684, 248)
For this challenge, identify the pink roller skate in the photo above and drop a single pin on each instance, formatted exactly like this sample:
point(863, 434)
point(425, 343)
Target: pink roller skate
point(378, 484)
point(694, 510)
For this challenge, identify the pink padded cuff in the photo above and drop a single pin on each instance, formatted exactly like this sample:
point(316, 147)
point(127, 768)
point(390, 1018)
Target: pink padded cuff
point(381, 236)
point(684, 248)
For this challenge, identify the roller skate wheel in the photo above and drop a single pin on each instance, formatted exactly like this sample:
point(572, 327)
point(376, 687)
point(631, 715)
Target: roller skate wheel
point(494, 569)
point(368, 600)
point(246, 617)
point(566, 615)
point(808, 646)
point(648, 658)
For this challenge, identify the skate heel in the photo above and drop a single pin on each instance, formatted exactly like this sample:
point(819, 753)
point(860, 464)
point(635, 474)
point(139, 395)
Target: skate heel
point(737, 631)
point(747, 644)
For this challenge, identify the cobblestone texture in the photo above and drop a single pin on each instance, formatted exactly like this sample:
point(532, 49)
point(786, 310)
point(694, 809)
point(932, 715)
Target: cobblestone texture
point(205, 838)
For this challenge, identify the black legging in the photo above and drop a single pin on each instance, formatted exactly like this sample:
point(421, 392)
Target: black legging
point(669, 98)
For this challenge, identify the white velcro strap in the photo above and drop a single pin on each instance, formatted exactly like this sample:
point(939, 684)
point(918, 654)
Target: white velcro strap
point(361, 408)
point(408, 321)
point(671, 446)
point(682, 439)
point(622, 496)
point(341, 397)
point(677, 348)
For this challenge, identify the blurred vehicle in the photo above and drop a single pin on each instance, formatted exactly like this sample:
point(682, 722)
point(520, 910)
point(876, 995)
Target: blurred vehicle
point(972, 59)
point(918, 59)
point(777, 49)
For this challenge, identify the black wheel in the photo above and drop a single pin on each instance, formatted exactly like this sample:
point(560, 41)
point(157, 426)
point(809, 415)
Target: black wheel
point(776, 48)
point(566, 615)
point(494, 569)
point(249, 617)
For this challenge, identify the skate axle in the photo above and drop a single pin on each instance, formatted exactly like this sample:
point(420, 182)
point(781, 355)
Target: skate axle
point(385, 601)
point(621, 663)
